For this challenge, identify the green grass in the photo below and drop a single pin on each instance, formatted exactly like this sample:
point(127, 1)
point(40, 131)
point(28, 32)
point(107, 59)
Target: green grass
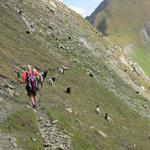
point(83, 102)
point(23, 126)
point(18, 48)
point(141, 56)
point(67, 122)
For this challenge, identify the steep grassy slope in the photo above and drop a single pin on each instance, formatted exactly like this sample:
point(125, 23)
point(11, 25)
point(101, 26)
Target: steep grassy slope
point(62, 37)
point(127, 23)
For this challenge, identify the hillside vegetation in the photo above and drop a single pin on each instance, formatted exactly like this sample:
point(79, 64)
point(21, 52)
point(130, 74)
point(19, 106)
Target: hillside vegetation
point(48, 35)
point(127, 23)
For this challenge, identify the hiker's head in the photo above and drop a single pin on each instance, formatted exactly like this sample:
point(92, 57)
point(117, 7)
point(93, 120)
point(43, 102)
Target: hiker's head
point(34, 70)
point(29, 67)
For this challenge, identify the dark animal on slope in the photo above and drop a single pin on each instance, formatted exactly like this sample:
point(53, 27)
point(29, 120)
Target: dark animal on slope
point(107, 117)
point(44, 74)
point(68, 90)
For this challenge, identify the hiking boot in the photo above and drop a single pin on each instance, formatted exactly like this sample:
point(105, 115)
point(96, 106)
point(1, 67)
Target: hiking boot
point(34, 106)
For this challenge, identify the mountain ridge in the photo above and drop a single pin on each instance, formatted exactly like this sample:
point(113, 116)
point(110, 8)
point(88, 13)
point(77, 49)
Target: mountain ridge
point(100, 8)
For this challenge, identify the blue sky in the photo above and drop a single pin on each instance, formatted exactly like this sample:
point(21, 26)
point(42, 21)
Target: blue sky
point(83, 7)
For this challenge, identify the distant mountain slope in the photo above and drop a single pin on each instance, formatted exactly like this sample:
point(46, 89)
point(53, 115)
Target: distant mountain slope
point(48, 35)
point(127, 23)
point(99, 9)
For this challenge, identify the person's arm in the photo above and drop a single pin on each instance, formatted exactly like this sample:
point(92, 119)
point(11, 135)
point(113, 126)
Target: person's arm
point(18, 74)
point(41, 79)
point(22, 80)
point(39, 75)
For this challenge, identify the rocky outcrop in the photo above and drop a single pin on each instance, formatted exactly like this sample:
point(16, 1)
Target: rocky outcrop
point(145, 33)
point(29, 24)
point(8, 142)
point(132, 65)
point(7, 88)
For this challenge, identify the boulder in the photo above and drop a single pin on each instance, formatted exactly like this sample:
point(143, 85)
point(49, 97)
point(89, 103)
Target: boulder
point(1, 99)
point(102, 134)
point(55, 121)
point(10, 92)
point(69, 110)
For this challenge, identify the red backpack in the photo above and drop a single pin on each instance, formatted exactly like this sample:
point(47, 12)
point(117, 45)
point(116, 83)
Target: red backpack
point(32, 81)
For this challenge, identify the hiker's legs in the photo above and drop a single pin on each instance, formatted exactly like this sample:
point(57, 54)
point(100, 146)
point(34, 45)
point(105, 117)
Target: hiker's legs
point(35, 100)
point(32, 101)
point(34, 93)
point(32, 96)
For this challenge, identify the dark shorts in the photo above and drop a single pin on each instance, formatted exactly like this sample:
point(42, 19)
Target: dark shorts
point(30, 92)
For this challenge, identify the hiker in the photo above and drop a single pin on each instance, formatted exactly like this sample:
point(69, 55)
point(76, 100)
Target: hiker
point(30, 78)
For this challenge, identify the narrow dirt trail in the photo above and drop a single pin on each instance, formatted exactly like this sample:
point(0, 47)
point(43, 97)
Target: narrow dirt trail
point(54, 137)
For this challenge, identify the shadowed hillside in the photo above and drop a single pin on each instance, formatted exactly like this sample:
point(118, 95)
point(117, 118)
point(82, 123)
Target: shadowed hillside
point(50, 36)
